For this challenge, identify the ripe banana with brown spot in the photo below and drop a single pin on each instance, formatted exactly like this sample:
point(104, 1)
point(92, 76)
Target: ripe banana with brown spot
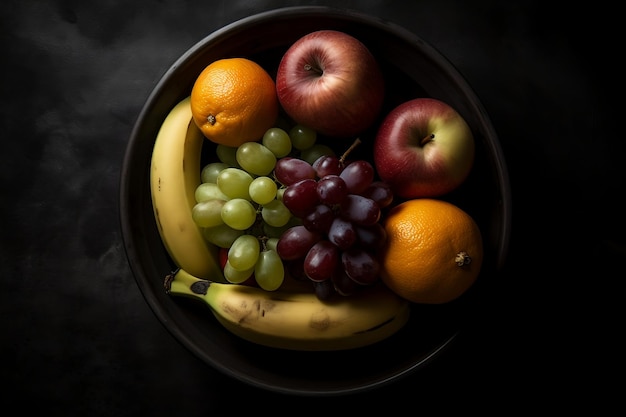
point(296, 319)
point(174, 177)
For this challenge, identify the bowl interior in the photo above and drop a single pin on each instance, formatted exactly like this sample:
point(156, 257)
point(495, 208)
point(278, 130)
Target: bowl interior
point(412, 69)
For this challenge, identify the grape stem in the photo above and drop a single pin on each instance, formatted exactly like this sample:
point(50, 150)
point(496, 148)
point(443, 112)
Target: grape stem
point(356, 143)
point(263, 240)
point(257, 228)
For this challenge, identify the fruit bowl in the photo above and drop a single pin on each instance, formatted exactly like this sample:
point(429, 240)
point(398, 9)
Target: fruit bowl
point(412, 69)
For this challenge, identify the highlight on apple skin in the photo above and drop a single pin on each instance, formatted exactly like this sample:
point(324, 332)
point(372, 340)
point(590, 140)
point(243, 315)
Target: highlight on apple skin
point(329, 81)
point(423, 148)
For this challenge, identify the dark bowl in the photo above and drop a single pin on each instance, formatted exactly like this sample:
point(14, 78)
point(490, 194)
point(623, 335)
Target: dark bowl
point(412, 69)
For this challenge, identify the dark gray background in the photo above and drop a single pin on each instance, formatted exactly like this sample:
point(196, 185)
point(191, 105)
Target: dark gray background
point(79, 339)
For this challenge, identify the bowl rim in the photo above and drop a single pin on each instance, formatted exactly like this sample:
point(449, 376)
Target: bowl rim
point(236, 25)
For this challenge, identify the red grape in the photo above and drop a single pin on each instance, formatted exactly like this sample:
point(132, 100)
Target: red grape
point(321, 261)
point(360, 210)
point(342, 233)
point(301, 197)
point(327, 165)
point(380, 192)
point(324, 290)
point(372, 237)
point(358, 175)
point(361, 266)
point(331, 189)
point(295, 242)
point(319, 219)
point(343, 284)
point(289, 170)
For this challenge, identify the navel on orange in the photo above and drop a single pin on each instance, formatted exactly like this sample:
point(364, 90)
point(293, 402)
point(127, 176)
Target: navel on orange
point(234, 101)
point(433, 253)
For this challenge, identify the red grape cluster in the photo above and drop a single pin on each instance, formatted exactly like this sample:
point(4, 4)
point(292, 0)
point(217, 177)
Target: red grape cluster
point(340, 205)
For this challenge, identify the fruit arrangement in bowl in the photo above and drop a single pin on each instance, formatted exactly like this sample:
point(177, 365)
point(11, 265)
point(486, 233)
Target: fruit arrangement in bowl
point(328, 194)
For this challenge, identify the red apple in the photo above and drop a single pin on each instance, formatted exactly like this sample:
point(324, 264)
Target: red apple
point(423, 148)
point(329, 81)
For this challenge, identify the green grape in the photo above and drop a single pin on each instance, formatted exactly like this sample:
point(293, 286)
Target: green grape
point(278, 141)
point(271, 243)
point(227, 155)
point(222, 235)
point(209, 191)
point(208, 213)
point(235, 183)
point(244, 252)
point(280, 192)
point(235, 276)
point(302, 137)
point(238, 213)
point(277, 231)
point(269, 270)
point(275, 213)
point(255, 158)
point(311, 154)
point(262, 190)
point(274, 231)
point(210, 171)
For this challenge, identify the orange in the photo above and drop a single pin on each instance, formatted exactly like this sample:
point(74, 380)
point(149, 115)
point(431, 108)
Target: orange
point(233, 101)
point(433, 253)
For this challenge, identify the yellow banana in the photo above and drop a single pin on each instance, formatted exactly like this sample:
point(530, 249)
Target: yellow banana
point(174, 177)
point(297, 319)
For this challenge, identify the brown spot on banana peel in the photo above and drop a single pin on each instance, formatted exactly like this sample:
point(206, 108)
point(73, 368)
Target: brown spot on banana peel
point(320, 320)
point(158, 220)
point(246, 312)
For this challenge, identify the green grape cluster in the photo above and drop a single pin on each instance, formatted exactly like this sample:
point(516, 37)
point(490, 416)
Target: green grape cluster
point(239, 203)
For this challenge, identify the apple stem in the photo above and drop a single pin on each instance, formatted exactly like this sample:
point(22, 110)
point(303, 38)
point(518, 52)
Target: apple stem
point(356, 143)
point(309, 67)
point(427, 139)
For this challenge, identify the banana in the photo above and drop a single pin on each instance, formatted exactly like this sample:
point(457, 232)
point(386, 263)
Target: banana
point(174, 176)
point(297, 319)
